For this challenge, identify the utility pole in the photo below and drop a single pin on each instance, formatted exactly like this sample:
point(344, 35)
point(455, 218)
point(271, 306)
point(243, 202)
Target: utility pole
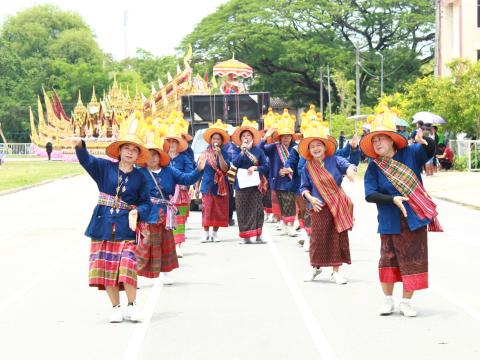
point(125, 18)
point(329, 98)
point(321, 91)
point(357, 79)
point(437, 39)
point(381, 74)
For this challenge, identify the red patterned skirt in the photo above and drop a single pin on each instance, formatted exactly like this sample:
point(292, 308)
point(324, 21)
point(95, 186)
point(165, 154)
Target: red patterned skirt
point(404, 258)
point(327, 246)
point(215, 210)
point(158, 254)
point(248, 203)
point(275, 205)
point(112, 263)
point(286, 200)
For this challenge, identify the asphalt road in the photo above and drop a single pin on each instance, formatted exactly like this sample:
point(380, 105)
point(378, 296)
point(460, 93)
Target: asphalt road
point(230, 301)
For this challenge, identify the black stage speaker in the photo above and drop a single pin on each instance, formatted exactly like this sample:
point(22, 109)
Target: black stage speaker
point(229, 108)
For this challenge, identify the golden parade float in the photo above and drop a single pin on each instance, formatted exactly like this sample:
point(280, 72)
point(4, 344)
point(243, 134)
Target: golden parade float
point(99, 121)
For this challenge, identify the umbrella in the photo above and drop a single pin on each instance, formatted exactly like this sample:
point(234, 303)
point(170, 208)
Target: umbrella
point(428, 118)
point(233, 67)
point(401, 122)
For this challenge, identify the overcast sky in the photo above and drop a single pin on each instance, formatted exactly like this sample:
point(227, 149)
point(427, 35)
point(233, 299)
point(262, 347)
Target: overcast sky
point(156, 26)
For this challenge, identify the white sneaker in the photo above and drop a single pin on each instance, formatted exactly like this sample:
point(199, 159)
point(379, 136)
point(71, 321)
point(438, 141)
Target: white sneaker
point(312, 274)
point(133, 313)
point(296, 224)
point(115, 315)
point(167, 278)
point(270, 218)
point(205, 237)
point(407, 310)
point(338, 279)
point(279, 226)
point(291, 231)
point(387, 308)
point(214, 237)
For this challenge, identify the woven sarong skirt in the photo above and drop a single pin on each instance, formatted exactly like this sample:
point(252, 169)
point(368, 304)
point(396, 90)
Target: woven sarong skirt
point(158, 254)
point(215, 210)
point(112, 263)
point(267, 201)
point(404, 258)
point(275, 205)
point(286, 200)
point(327, 246)
point(249, 205)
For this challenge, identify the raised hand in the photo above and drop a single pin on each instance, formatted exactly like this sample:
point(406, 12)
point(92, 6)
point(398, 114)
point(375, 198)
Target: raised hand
point(419, 137)
point(269, 132)
point(355, 141)
point(76, 142)
point(202, 160)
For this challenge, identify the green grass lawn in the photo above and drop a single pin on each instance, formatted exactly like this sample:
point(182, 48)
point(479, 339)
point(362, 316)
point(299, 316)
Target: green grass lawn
point(14, 174)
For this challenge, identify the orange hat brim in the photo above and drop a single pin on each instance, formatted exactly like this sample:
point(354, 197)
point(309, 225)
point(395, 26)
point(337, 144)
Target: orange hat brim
point(367, 146)
point(187, 137)
point(182, 143)
point(277, 134)
point(164, 158)
point(238, 133)
point(305, 151)
point(207, 135)
point(113, 150)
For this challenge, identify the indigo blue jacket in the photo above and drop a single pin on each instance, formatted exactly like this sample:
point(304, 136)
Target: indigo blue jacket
point(167, 178)
point(414, 156)
point(133, 190)
point(242, 161)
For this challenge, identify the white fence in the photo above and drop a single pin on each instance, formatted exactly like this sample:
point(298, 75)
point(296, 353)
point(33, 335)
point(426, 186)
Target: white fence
point(470, 150)
point(15, 149)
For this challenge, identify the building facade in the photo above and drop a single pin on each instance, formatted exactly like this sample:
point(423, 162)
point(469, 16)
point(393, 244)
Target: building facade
point(458, 32)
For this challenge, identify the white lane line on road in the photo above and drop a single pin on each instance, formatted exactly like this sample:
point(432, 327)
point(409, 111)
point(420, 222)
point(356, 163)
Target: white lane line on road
point(136, 340)
point(316, 333)
point(30, 285)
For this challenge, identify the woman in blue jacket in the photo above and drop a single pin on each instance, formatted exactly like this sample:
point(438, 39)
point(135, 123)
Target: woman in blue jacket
point(123, 198)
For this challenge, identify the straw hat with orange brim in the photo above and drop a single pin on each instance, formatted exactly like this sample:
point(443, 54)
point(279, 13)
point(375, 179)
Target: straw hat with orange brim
point(187, 137)
point(164, 158)
point(383, 124)
point(216, 128)
point(247, 125)
point(154, 141)
point(173, 132)
point(315, 131)
point(129, 133)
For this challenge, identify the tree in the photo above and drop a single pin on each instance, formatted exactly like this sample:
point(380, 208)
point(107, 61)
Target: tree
point(287, 42)
point(45, 47)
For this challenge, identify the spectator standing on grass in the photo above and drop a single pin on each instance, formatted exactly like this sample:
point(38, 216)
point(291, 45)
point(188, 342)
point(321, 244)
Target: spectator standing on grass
point(49, 149)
